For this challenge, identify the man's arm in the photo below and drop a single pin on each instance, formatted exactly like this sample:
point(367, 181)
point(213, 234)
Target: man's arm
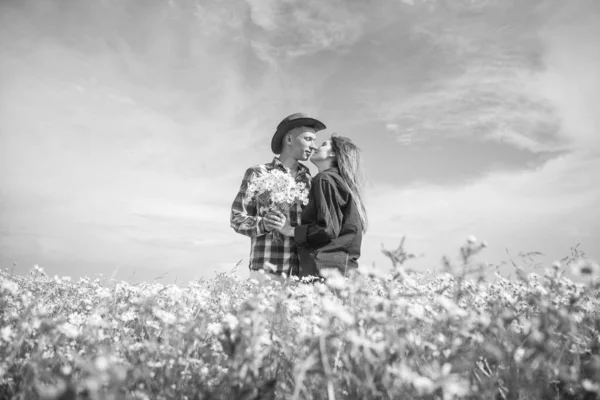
point(244, 217)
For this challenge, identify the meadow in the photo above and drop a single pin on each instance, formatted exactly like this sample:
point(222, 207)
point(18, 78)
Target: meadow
point(465, 333)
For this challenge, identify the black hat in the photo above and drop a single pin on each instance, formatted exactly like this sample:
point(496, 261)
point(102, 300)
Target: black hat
point(291, 122)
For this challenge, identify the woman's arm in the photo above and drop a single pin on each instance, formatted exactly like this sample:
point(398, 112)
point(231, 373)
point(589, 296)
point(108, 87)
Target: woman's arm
point(329, 215)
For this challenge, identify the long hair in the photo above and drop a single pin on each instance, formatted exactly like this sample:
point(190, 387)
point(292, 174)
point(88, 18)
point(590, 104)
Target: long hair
point(348, 161)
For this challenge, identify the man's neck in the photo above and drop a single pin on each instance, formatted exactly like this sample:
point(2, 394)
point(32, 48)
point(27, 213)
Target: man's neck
point(289, 161)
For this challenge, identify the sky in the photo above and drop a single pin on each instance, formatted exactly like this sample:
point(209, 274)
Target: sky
point(127, 126)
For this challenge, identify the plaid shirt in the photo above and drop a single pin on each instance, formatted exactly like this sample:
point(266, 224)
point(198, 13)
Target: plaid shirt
point(246, 221)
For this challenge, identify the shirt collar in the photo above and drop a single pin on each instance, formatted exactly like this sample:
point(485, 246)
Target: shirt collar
point(302, 169)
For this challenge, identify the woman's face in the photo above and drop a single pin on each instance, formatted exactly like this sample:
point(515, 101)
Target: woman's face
point(323, 152)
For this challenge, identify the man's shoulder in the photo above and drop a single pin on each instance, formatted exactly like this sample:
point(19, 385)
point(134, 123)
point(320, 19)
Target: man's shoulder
point(259, 167)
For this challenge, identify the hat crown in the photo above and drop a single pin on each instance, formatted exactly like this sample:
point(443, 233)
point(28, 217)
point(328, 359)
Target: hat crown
point(291, 118)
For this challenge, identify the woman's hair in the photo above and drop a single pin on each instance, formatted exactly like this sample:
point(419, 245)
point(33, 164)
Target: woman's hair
point(348, 161)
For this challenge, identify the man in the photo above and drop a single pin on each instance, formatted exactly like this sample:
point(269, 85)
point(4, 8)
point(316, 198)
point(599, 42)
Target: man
point(293, 141)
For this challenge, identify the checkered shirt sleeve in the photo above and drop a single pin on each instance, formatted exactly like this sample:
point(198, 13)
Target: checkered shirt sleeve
point(244, 214)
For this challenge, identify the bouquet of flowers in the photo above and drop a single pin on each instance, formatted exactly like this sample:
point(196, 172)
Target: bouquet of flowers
point(277, 191)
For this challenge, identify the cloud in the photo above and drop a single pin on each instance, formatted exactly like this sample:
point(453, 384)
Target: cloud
point(495, 74)
point(546, 209)
point(264, 13)
point(571, 82)
point(546, 106)
point(403, 138)
point(291, 29)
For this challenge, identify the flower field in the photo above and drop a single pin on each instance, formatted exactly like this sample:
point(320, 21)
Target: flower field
point(399, 335)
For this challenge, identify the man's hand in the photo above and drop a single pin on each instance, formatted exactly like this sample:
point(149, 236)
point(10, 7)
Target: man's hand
point(287, 229)
point(274, 220)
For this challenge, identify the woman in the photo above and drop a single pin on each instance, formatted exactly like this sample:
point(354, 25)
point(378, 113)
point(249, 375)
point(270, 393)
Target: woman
point(333, 222)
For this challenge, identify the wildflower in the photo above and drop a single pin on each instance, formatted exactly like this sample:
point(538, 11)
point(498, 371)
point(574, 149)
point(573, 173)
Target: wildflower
point(41, 310)
point(128, 315)
point(541, 290)
point(509, 299)
point(585, 268)
point(69, 330)
point(101, 363)
point(103, 293)
point(96, 320)
point(214, 329)
point(334, 279)
point(423, 385)
point(48, 353)
point(519, 353)
point(454, 386)
point(76, 319)
point(293, 308)
point(338, 311)
point(451, 307)
point(9, 286)
point(137, 394)
point(271, 267)
point(537, 337)
point(164, 316)
point(484, 320)
point(556, 265)
point(6, 333)
point(417, 311)
point(471, 239)
point(156, 364)
point(231, 321)
point(590, 386)
point(152, 324)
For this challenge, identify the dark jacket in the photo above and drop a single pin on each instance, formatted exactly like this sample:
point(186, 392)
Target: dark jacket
point(330, 234)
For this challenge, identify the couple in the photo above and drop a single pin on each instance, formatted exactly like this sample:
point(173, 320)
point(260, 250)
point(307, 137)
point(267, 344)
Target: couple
point(327, 232)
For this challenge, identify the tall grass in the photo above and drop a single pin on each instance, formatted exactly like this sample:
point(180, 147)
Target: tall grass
point(372, 336)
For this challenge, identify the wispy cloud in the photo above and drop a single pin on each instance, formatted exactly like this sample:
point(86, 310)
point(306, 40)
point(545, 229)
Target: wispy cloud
point(291, 29)
point(477, 85)
point(548, 210)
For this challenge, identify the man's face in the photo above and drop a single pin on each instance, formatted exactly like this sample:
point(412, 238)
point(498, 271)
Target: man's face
point(301, 142)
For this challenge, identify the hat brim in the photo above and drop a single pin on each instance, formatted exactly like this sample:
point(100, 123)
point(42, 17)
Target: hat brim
point(276, 142)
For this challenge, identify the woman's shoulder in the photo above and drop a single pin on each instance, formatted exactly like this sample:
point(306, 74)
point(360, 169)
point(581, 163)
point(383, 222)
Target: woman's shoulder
point(330, 175)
